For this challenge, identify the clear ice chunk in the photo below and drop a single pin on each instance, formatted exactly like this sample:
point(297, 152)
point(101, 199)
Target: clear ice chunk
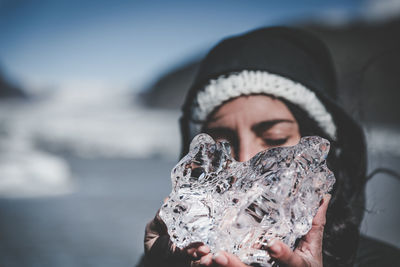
point(239, 206)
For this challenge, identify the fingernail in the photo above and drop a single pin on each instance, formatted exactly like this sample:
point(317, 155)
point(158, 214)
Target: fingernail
point(203, 249)
point(325, 198)
point(274, 247)
point(220, 258)
point(204, 260)
point(271, 242)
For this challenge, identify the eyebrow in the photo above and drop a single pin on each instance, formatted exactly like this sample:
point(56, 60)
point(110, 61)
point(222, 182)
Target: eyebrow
point(228, 132)
point(213, 118)
point(265, 125)
point(257, 128)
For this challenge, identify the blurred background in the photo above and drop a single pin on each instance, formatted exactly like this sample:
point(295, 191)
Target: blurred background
point(90, 93)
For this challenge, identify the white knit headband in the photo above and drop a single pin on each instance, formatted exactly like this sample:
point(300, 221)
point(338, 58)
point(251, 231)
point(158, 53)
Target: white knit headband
point(259, 82)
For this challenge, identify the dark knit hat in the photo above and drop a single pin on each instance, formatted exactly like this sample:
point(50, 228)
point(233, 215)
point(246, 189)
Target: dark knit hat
point(289, 52)
point(291, 63)
point(296, 67)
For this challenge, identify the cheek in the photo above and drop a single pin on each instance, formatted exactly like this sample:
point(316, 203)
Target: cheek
point(294, 140)
point(295, 136)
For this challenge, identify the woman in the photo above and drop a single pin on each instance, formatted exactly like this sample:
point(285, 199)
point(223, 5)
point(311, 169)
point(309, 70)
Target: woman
point(269, 88)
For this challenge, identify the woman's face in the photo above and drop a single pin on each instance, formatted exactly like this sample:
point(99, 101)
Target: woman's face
point(252, 124)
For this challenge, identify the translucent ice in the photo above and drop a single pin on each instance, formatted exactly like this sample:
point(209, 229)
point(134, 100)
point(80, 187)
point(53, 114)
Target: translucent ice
point(239, 206)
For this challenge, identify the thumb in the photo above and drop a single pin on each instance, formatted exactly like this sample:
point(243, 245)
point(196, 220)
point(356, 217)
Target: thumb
point(223, 258)
point(315, 236)
point(284, 255)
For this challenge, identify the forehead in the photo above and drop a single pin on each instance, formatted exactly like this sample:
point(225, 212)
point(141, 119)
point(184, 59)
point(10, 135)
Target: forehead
point(252, 109)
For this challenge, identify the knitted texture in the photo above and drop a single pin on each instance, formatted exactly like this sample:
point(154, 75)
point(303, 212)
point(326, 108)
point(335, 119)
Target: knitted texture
point(246, 82)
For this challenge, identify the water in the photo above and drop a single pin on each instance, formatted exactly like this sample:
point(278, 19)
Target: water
point(81, 172)
point(82, 121)
point(100, 224)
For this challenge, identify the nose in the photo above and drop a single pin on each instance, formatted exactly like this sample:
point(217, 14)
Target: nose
point(248, 147)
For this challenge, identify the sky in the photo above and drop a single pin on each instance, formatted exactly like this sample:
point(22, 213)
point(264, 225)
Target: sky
point(127, 44)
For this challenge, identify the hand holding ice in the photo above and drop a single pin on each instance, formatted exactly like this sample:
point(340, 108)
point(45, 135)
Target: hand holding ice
point(239, 206)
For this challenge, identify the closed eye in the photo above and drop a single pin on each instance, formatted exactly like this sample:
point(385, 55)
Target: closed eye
point(275, 142)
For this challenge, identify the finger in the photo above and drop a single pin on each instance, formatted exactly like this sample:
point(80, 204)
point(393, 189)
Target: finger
point(206, 260)
point(203, 261)
point(320, 217)
point(223, 258)
point(315, 236)
point(197, 250)
point(284, 255)
point(203, 250)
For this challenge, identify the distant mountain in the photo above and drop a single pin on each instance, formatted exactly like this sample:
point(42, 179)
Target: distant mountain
point(8, 90)
point(169, 90)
